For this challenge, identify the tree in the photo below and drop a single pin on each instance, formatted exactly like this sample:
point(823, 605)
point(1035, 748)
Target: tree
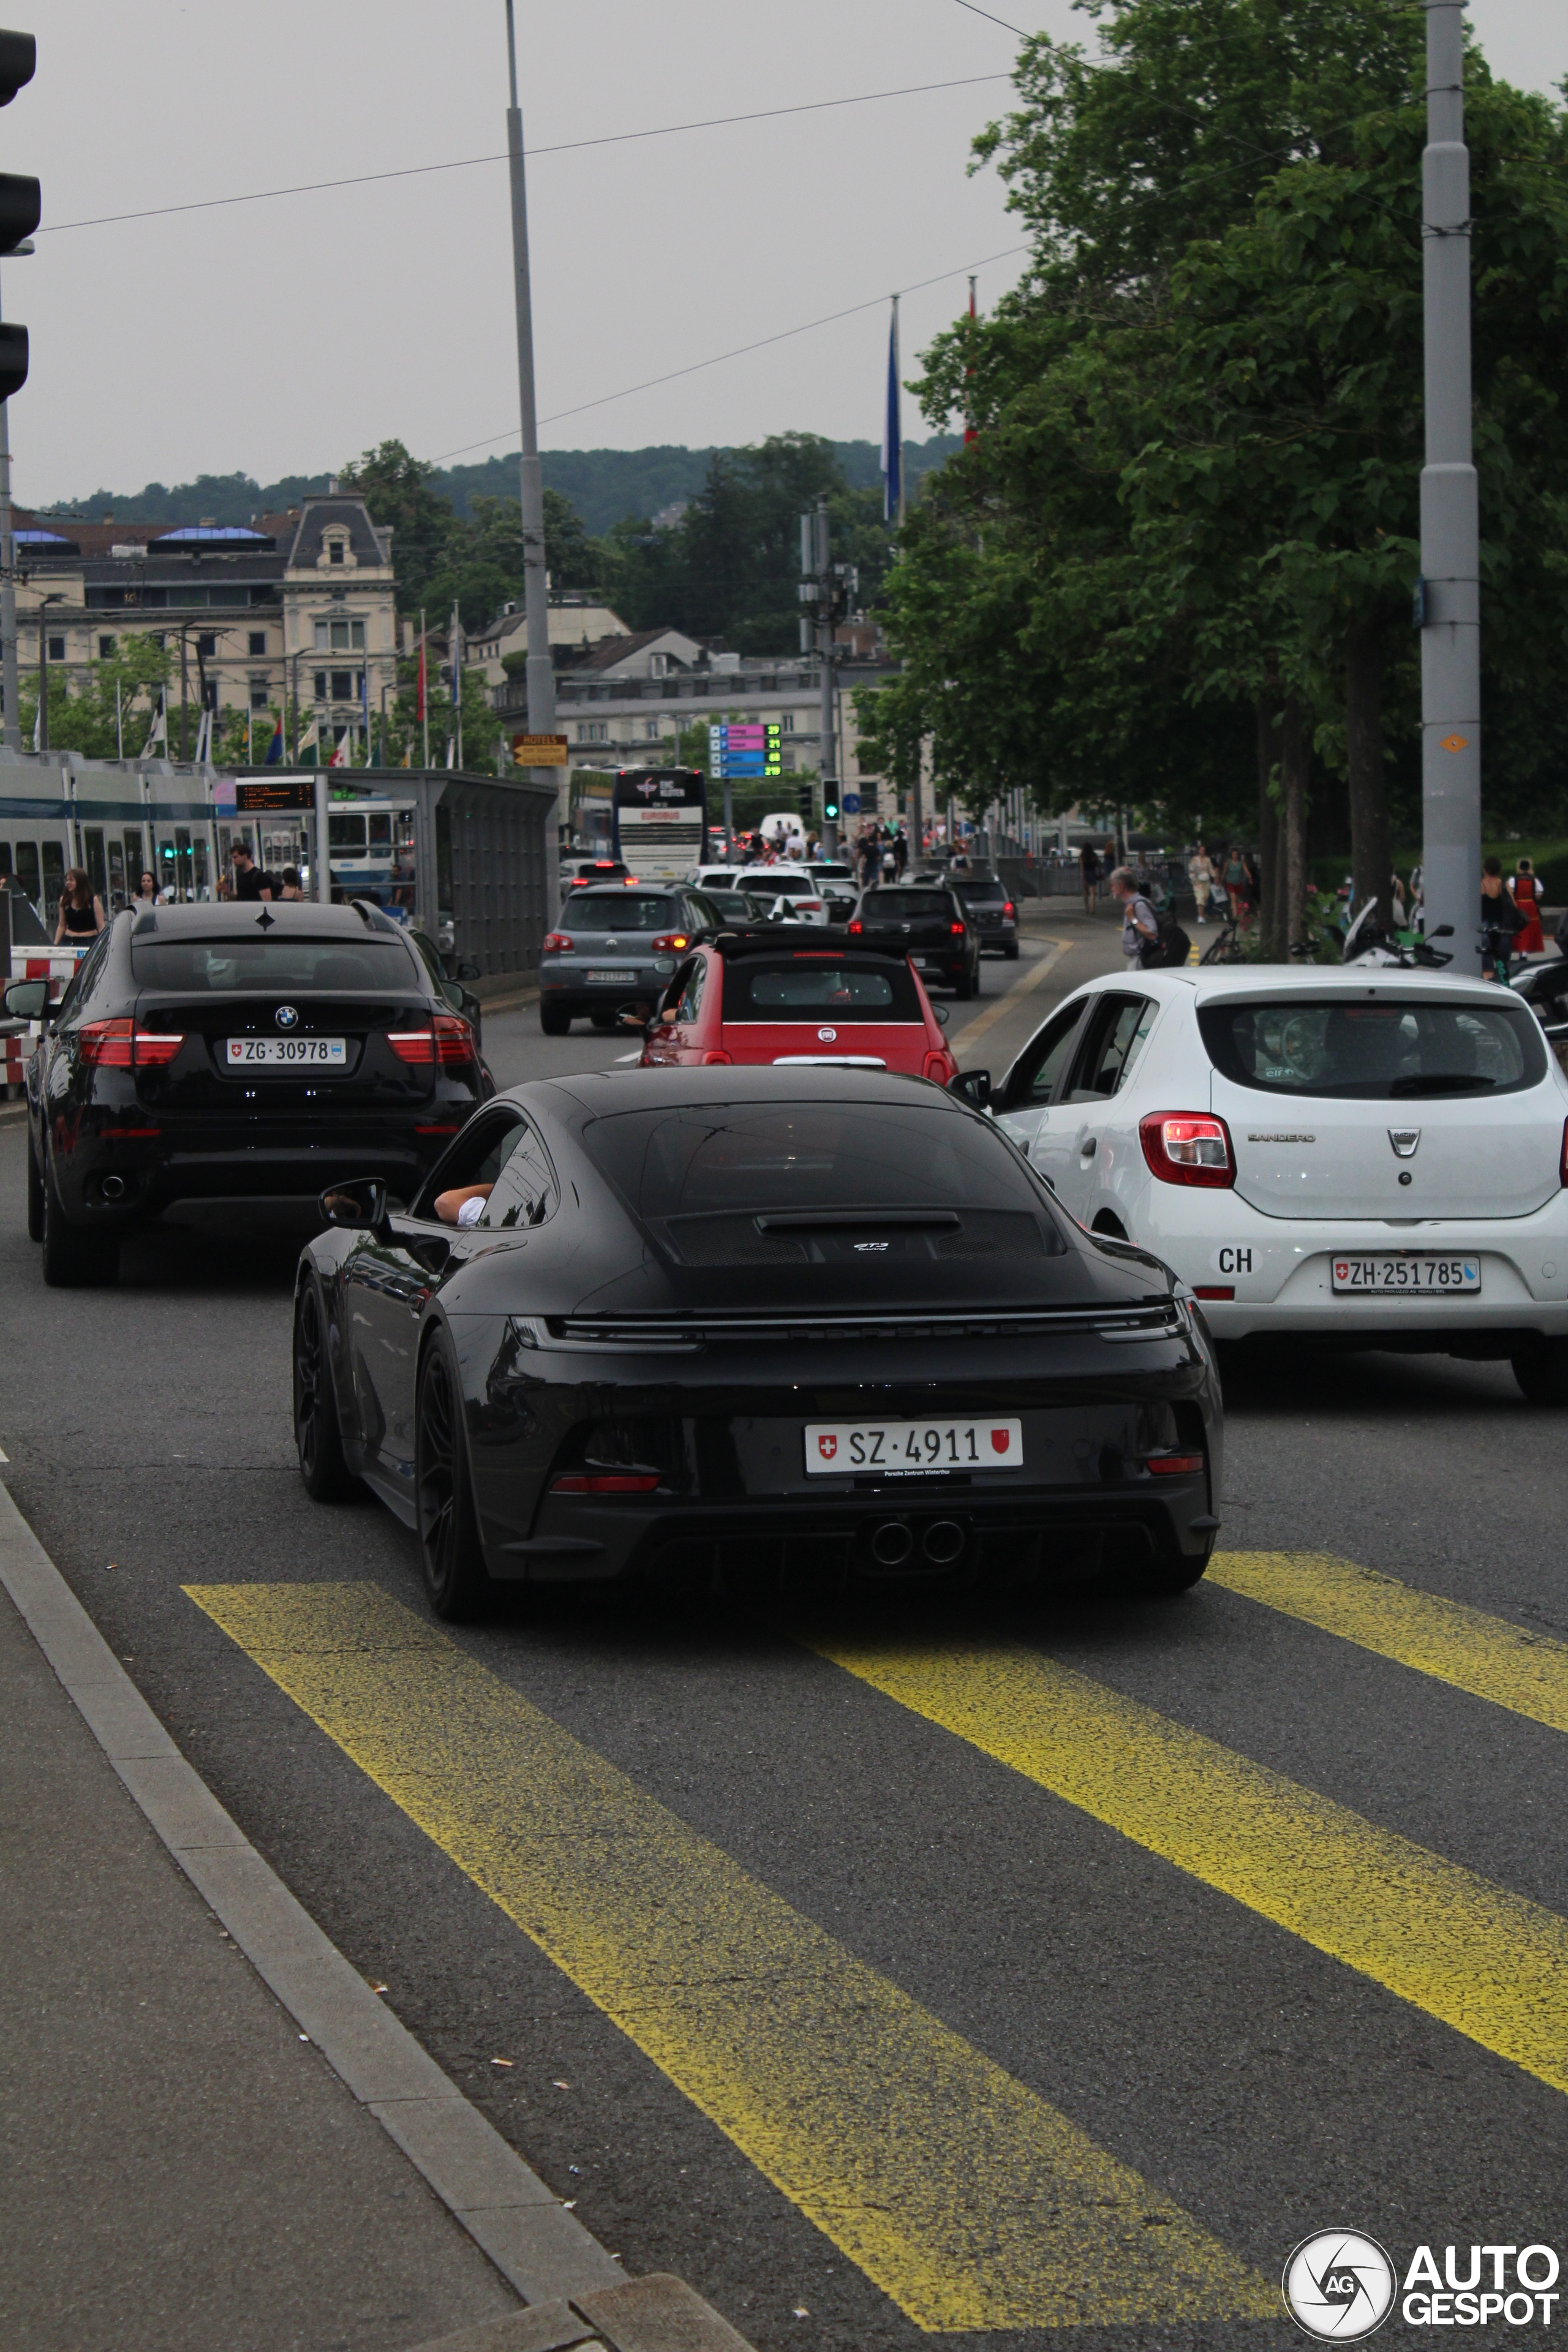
point(474, 561)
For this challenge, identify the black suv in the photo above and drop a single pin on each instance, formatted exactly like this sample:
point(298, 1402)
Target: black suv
point(994, 916)
point(233, 1053)
point(928, 922)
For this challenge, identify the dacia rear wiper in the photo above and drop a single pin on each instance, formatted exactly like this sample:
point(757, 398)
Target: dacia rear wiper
point(1438, 1082)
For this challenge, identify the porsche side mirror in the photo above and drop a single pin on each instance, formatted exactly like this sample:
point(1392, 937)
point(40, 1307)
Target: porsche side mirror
point(975, 1085)
point(28, 1000)
point(358, 1206)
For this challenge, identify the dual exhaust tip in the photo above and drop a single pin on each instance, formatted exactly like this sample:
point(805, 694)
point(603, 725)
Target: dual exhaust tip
point(941, 1542)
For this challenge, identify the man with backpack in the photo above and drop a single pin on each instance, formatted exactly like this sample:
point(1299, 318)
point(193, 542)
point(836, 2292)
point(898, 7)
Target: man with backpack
point(1149, 940)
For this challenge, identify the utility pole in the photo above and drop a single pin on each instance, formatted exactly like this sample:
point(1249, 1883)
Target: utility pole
point(827, 587)
point(1448, 599)
point(10, 685)
point(535, 579)
point(184, 695)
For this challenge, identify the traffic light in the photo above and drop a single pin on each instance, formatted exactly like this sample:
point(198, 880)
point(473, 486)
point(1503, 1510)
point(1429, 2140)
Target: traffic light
point(21, 204)
point(806, 800)
point(830, 800)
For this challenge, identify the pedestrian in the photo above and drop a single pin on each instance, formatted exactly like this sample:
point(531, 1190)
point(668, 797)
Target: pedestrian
point(1089, 874)
point(1140, 930)
point(901, 854)
point(1200, 873)
point(1531, 940)
point(291, 890)
point(1235, 881)
point(146, 893)
point(1396, 902)
point(81, 917)
point(1254, 881)
point(249, 882)
point(1501, 922)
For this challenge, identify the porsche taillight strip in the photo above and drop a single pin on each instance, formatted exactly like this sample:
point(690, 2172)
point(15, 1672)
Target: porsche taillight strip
point(594, 1331)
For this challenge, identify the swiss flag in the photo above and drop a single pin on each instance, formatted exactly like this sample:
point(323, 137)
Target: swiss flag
point(827, 1448)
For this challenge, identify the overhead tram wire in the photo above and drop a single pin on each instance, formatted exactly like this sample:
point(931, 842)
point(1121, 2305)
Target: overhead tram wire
point(740, 351)
point(562, 147)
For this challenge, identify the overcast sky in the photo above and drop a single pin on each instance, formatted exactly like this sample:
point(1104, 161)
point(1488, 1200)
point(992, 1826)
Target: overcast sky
point(284, 337)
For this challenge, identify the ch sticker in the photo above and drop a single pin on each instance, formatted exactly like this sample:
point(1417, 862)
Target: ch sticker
point(1232, 1259)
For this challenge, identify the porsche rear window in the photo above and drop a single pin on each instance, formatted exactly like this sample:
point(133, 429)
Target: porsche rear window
point(810, 991)
point(906, 906)
point(1375, 1051)
point(622, 911)
point(748, 1159)
point(368, 966)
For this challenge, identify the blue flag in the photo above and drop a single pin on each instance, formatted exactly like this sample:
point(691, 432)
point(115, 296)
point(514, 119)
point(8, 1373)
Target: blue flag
point(892, 431)
point(274, 748)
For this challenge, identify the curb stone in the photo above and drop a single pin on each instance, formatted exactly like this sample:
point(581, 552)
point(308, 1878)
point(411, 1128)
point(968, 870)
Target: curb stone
point(658, 2313)
point(544, 2252)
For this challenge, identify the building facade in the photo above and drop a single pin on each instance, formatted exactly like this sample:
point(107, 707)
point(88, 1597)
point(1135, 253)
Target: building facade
point(301, 603)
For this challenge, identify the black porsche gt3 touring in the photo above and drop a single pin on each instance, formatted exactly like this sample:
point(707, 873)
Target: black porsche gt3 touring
point(756, 1331)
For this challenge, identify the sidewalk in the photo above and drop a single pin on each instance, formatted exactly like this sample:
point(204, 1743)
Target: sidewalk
point(201, 2152)
point(183, 2169)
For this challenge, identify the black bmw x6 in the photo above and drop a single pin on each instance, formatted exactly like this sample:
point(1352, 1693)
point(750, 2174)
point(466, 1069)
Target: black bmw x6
point(762, 1327)
point(233, 1053)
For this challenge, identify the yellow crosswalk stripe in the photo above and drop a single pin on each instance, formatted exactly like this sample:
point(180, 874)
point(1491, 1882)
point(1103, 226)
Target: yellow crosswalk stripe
point(1481, 1958)
point(1527, 1673)
point(966, 2198)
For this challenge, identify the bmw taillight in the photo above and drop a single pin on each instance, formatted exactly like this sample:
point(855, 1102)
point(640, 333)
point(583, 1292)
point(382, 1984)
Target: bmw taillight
point(1187, 1148)
point(106, 1043)
point(454, 1038)
point(153, 1049)
point(414, 1046)
point(557, 943)
point(668, 942)
point(856, 924)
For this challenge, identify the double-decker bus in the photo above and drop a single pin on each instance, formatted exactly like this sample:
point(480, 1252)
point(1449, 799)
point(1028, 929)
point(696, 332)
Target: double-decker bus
point(660, 821)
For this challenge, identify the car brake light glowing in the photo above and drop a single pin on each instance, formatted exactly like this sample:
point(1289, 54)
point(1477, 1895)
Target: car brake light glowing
point(412, 1045)
point(1187, 1148)
point(631, 882)
point(1175, 1466)
point(667, 942)
point(454, 1038)
point(557, 943)
point(577, 1482)
point(856, 924)
point(1009, 911)
point(957, 930)
point(107, 1043)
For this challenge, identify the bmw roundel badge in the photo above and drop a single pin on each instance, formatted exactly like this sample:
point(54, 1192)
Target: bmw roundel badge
point(286, 1016)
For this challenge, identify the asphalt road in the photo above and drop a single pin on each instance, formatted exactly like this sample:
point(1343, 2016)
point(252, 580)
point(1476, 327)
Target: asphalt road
point(942, 1972)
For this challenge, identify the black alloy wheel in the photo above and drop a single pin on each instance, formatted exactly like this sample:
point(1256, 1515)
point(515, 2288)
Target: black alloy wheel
point(35, 1196)
point(318, 1435)
point(449, 1552)
point(75, 1260)
point(554, 1020)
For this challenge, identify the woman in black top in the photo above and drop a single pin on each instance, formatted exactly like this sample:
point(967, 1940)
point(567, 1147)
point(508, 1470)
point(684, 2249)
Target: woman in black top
point(80, 918)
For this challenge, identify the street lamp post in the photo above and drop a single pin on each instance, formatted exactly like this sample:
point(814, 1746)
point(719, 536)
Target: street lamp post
point(1449, 595)
point(44, 604)
point(535, 579)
